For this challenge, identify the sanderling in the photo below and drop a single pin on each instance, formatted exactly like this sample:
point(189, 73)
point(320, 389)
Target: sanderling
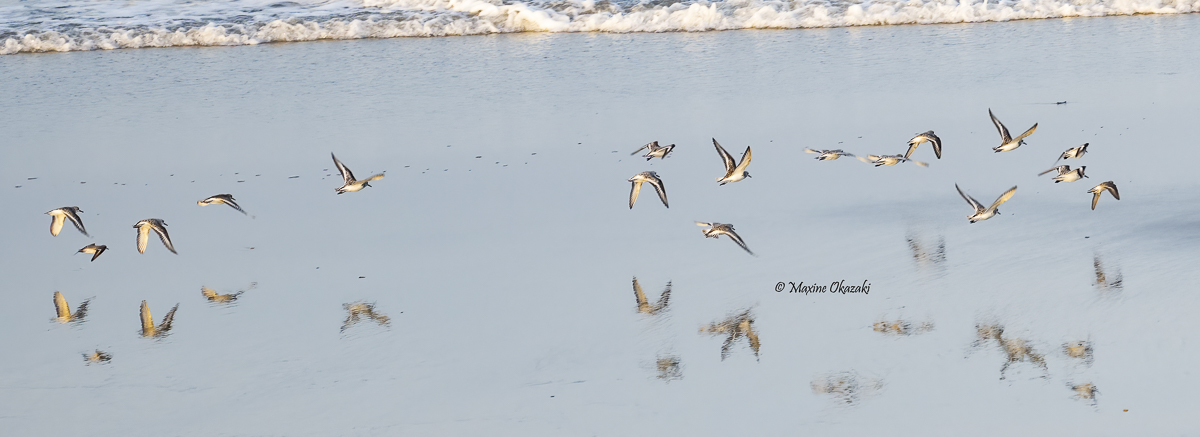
point(1007, 142)
point(733, 173)
point(879, 160)
point(717, 229)
point(828, 155)
point(143, 234)
point(923, 137)
point(1071, 176)
point(982, 213)
point(655, 151)
point(351, 185)
point(93, 249)
point(219, 199)
point(653, 179)
point(62, 214)
point(1074, 152)
point(1104, 186)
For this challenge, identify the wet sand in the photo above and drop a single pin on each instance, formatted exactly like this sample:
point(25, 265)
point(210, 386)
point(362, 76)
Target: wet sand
point(506, 278)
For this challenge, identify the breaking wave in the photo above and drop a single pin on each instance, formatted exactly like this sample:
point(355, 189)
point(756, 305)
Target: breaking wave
point(48, 26)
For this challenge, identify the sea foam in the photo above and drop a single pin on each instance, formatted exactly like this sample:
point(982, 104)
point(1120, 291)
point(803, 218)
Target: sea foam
point(109, 24)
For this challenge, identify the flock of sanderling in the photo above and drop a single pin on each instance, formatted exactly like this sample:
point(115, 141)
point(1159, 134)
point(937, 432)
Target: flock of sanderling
point(738, 325)
point(736, 171)
point(356, 311)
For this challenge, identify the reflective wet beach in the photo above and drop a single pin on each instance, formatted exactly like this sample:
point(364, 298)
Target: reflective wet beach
point(500, 245)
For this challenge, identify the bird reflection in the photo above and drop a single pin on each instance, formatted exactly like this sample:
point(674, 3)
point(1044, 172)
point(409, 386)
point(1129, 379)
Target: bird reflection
point(644, 306)
point(63, 311)
point(98, 357)
point(735, 327)
point(985, 333)
point(212, 295)
point(846, 387)
point(148, 328)
point(1080, 350)
point(902, 327)
point(1107, 281)
point(1016, 349)
point(669, 368)
point(927, 255)
point(1085, 391)
point(358, 310)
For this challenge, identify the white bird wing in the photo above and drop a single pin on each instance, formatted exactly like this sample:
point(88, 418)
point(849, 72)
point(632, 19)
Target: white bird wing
point(725, 157)
point(1003, 198)
point(633, 192)
point(143, 236)
point(745, 162)
point(920, 163)
point(1005, 138)
point(974, 203)
point(56, 223)
point(808, 150)
point(1027, 133)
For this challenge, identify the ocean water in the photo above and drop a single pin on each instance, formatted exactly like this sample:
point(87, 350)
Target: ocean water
point(502, 250)
point(67, 25)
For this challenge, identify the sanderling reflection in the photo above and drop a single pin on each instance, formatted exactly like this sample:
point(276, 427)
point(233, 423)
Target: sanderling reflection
point(351, 185)
point(879, 160)
point(653, 179)
point(1099, 189)
point(219, 199)
point(1085, 391)
point(643, 304)
point(1104, 279)
point(148, 327)
point(94, 250)
point(60, 215)
point(1007, 142)
point(733, 173)
point(655, 150)
point(358, 310)
point(717, 229)
point(1079, 349)
point(927, 136)
point(215, 297)
point(828, 155)
point(143, 234)
point(97, 357)
point(735, 327)
point(982, 213)
point(63, 311)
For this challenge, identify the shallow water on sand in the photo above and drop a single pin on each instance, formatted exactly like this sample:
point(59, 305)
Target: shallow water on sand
point(501, 247)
